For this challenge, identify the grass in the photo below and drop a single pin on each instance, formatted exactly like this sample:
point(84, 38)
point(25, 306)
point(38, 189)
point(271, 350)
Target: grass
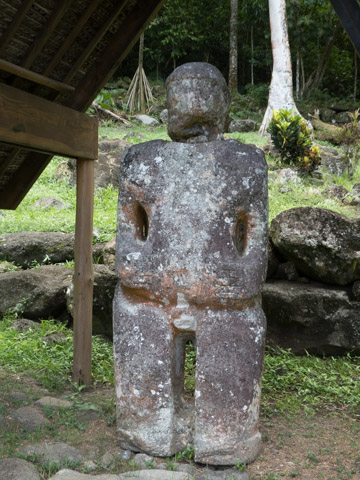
point(50, 363)
point(290, 383)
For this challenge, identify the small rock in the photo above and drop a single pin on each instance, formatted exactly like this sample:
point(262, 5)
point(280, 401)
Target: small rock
point(19, 397)
point(90, 465)
point(23, 324)
point(125, 455)
point(142, 460)
point(146, 120)
point(155, 474)
point(246, 125)
point(164, 116)
point(17, 469)
point(285, 189)
point(87, 415)
point(50, 202)
point(287, 175)
point(185, 467)
point(336, 191)
point(54, 337)
point(72, 475)
point(107, 460)
point(30, 419)
point(53, 402)
point(56, 452)
point(131, 135)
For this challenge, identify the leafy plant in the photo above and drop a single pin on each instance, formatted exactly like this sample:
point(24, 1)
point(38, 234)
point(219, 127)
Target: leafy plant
point(350, 139)
point(292, 139)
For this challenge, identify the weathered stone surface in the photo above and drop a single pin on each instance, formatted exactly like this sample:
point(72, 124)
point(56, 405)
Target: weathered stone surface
point(30, 418)
point(332, 161)
point(67, 474)
point(53, 402)
point(191, 233)
point(107, 166)
point(146, 120)
point(41, 291)
point(317, 318)
point(7, 267)
point(164, 116)
point(323, 245)
point(17, 469)
point(198, 102)
point(223, 475)
point(246, 125)
point(54, 452)
point(155, 474)
point(25, 248)
point(336, 191)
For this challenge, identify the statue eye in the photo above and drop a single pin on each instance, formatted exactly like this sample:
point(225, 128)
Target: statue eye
point(142, 223)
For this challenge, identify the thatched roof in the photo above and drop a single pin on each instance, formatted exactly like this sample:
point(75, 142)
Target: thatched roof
point(74, 46)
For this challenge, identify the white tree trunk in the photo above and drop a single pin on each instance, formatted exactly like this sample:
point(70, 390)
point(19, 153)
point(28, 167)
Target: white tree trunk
point(281, 86)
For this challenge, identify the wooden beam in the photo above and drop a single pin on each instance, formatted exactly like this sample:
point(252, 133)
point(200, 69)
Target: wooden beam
point(35, 77)
point(14, 25)
point(120, 45)
point(83, 272)
point(37, 124)
point(349, 13)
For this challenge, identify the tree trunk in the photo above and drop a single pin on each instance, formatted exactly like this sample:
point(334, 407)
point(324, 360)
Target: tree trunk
point(281, 85)
point(297, 75)
point(233, 59)
point(252, 53)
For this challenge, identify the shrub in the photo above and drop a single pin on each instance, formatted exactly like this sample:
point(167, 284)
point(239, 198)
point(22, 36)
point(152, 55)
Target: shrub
point(350, 139)
point(292, 139)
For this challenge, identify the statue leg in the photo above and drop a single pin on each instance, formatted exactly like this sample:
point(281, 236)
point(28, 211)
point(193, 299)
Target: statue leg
point(229, 363)
point(144, 348)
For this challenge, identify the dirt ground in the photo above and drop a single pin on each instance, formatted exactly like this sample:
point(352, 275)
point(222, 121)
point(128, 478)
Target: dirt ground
point(323, 446)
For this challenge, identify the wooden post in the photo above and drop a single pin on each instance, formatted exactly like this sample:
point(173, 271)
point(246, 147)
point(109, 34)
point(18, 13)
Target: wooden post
point(83, 273)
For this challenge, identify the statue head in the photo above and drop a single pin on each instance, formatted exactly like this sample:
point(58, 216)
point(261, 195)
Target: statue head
point(198, 103)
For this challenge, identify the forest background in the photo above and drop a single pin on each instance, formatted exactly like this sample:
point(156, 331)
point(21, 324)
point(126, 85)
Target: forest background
point(324, 62)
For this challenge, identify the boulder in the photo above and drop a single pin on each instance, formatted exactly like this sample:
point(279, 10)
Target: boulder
point(53, 452)
point(50, 202)
point(107, 166)
point(322, 244)
point(312, 317)
point(41, 292)
point(285, 176)
point(29, 248)
point(336, 191)
point(245, 125)
point(332, 161)
point(105, 281)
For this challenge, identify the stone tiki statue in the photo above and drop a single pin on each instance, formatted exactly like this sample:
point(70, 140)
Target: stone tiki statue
point(191, 258)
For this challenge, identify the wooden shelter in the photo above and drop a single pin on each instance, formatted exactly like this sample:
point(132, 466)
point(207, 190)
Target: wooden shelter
point(55, 56)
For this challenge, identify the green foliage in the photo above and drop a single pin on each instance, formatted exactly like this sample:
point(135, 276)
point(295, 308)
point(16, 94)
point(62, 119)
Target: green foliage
point(50, 363)
point(292, 139)
point(291, 383)
point(190, 365)
point(350, 139)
